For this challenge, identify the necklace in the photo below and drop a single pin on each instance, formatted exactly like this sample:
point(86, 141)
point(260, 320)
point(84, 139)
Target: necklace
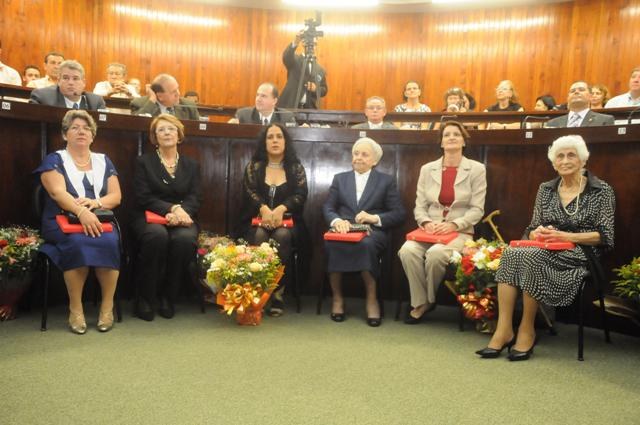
point(577, 198)
point(277, 165)
point(79, 165)
point(169, 167)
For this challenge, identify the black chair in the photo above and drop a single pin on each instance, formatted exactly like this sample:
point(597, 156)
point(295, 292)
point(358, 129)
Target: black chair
point(38, 206)
point(595, 278)
point(295, 276)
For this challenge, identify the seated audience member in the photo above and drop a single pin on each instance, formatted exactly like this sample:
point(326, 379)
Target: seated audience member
point(375, 111)
point(543, 103)
point(507, 101)
point(275, 185)
point(363, 196)
point(8, 75)
point(164, 98)
point(469, 102)
point(411, 96)
point(52, 63)
point(574, 207)
point(192, 96)
point(264, 112)
point(69, 92)
point(632, 97)
point(80, 181)
point(454, 100)
point(136, 84)
point(30, 73)
point(168, 184)
point(599, 96)
point(449, 198)
point(580, 115)
point(115, 85)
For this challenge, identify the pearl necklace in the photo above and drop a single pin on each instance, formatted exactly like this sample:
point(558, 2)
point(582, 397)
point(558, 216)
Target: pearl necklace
point(162, 161)
point(79, 165)
point(277, 165)
point(577, 198)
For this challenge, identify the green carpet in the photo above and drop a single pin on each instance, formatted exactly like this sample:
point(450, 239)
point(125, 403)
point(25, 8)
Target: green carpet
point(305, 369)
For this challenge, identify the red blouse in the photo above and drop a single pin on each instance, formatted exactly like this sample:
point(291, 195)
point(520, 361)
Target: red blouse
point(447, 192)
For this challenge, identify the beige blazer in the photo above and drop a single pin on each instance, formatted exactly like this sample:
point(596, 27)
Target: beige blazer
point(470, 190)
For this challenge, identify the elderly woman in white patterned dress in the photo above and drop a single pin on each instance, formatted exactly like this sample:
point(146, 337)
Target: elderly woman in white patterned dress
point(574, 207)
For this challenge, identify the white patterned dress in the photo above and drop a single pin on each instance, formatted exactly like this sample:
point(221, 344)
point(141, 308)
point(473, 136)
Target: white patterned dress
point(553, 277)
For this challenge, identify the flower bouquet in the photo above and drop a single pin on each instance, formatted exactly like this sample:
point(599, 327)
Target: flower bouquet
point(475, 283)
point(243, 277)
point(206, 242)
point(18, 247)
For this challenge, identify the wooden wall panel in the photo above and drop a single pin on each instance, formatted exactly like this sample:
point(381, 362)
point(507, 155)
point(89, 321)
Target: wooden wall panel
point(542, 48)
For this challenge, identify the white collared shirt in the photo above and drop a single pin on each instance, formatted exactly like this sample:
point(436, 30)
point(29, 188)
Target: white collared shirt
point(9, 75)
point(373, 126)
point(572, 114)
point(622, 101)
point(41, 83)
point(70, 103)
point(361, 183)
point(267, 117)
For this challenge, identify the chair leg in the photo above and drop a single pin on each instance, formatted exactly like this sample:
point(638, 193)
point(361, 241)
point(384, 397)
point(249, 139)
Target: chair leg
point(296, 281)
point(460, 319)
point(400, 298)
point(118, 305)
point(45, 294)
point(603, 313)
point(580, 327)
point(323, 282)
point(379, 297)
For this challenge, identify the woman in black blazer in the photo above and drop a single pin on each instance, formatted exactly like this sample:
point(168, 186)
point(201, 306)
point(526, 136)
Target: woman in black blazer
point(167, 184)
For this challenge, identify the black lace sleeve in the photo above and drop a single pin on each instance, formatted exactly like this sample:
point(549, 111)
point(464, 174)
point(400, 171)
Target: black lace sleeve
point(298, 179)
point(253, 174)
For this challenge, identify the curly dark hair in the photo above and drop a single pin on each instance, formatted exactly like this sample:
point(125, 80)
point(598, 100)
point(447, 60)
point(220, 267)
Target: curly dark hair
point(260, 153)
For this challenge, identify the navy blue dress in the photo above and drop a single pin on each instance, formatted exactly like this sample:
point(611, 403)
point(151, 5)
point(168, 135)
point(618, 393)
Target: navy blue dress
point(75, 250)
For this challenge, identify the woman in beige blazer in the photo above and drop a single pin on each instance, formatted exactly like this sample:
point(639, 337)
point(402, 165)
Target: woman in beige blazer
point(449, 198)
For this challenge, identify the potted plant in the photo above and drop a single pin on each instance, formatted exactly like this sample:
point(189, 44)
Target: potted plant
point(243, 277)
point(18, 247)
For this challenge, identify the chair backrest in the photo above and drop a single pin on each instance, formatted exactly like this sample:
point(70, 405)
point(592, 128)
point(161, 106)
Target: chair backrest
point(38, 199)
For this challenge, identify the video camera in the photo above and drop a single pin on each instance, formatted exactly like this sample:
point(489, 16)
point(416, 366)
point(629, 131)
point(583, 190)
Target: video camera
point(310, 33)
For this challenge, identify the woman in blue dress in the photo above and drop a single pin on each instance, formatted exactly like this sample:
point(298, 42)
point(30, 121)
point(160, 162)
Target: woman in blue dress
point(79, 181)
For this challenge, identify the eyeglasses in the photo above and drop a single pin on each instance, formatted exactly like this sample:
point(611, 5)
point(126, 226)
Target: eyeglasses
point(166, 130)
point(77, 128)
point(375, 108)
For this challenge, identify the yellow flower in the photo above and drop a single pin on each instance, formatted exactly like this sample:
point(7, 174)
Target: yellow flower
point(470, 243)
point(241, 249)
point(218, 263)
point(493, 265)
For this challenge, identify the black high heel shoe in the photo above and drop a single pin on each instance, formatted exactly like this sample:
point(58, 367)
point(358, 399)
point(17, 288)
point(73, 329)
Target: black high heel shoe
point(516, 356)
point(493, 353)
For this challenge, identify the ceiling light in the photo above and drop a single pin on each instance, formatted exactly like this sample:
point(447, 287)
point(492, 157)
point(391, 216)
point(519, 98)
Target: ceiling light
point(325, 4)
point(175, 18)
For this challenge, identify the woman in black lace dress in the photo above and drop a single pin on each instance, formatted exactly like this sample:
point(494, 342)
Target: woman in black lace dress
point(574, 207)
point(274, 188)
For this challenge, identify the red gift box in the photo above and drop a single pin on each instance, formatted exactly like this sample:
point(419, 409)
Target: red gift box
point(345, 237)
point(420, 235)
point(154, 218)
point(66, 227)
point(257, 221)
point(552, 246)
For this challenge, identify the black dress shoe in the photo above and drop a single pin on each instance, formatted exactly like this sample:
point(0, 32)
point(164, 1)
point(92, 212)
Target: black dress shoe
point(144, 310)
point(166, 309)
point(516, 356)
point(338, 317)
point(374, 322)
point(493, 353)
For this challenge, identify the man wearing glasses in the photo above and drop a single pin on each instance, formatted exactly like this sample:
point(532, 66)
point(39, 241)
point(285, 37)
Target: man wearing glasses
point(375, 111)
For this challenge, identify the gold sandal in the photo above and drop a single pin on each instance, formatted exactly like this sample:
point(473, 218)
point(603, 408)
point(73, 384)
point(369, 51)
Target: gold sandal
point(105, 321)
point(77, 324)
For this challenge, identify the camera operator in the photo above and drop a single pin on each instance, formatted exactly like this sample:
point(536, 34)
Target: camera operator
point(314, 83)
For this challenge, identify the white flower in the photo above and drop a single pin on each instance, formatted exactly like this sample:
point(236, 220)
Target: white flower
point(241, 249)
point(455, 257)
point(478, 258)
point(218, 263)
point(255, 267)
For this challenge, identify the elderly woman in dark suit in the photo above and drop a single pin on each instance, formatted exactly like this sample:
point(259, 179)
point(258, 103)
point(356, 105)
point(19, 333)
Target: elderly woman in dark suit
point(574, 207)
point(167, 184)
point(364, 196)
point(275, 185)
point(449, 198)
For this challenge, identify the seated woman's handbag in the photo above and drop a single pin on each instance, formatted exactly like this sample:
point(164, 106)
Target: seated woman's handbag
point(104, 216)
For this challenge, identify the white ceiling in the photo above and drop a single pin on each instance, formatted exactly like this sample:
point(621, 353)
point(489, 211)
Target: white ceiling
point(388, 6)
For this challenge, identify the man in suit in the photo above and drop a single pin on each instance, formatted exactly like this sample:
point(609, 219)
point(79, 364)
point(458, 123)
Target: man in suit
point(69, 92)
point(580, 115)
point(314, 79)
point(375, 111)
point(265, 111)
point(52, 62)
point(164, 98)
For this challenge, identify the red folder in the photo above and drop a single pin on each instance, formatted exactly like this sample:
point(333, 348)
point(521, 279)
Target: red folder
point(66, 227)
point(552, 246)
point(420, 235)
point(154, 218)
point(345, 237)
point(257, 221)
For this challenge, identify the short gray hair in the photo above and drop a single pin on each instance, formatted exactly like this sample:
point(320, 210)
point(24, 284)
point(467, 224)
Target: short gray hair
point(572, 141)
point(72, 114)
point(381, 99)
point(375, 147)
point(73, 65)
point(122, 66)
